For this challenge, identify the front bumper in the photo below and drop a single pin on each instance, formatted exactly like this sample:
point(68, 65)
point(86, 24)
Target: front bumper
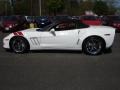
point(6, 43)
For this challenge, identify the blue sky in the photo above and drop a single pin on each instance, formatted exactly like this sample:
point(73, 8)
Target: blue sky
point(118, 3)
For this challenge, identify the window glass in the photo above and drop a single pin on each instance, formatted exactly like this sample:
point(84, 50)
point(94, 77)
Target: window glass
point(65, 26)
point(80, 25)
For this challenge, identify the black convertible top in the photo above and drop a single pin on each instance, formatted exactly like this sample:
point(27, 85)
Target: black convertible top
point(54, 23)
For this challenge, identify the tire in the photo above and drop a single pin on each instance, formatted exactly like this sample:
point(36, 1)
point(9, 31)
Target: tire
point(19, 45)
point(93, 45)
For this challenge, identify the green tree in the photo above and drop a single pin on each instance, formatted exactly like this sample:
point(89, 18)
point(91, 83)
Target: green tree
point(5, 8)
point(86, 6)
point(74, 7)
point(22, 8)
point(101, 8)
point(112, 10)
point(55, 6)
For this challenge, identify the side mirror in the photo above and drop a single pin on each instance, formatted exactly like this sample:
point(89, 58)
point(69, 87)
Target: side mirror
point(52, 31)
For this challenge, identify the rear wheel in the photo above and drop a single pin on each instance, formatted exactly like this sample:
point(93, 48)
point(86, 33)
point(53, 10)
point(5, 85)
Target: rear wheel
point(93, 46)
point(19, 45)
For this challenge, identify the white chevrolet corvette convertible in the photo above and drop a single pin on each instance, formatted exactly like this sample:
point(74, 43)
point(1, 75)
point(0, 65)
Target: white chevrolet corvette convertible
point(62, 35)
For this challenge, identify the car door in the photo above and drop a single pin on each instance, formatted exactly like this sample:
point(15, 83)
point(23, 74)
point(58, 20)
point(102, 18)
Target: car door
point(60, 36)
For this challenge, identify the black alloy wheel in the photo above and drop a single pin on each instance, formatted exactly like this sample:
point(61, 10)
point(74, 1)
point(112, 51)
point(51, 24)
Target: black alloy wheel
point(93, 46)
point(19, 45)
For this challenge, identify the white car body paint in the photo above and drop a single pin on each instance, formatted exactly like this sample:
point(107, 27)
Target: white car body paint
point(65, 40)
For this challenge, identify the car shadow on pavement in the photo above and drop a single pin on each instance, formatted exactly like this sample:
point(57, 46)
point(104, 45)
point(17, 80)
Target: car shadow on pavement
point(56, 51)
point(107, 51)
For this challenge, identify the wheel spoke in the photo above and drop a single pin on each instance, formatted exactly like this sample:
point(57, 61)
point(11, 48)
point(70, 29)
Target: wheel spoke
point(18, 45)
point(93, 46)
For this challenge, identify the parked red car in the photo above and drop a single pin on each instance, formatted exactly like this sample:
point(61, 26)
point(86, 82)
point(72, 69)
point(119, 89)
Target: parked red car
point(91, 20)
point(112, 20)
point(12, 23)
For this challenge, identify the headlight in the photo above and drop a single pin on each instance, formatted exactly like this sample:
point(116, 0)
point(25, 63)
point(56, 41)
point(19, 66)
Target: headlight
point(7, 28)
point(10, 26)
point(115, 24)
point(42, 23)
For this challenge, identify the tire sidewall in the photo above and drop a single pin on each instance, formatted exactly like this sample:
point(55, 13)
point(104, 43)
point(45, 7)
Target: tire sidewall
point(85, 49)
point(24, 41)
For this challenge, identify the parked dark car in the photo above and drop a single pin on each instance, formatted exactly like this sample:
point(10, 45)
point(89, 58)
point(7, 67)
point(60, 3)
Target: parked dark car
point(75, 17)
point(91, 20)
point(42, 21)
point(0, 23)
point(13, 23)
point(30, 19)
point(61, 17)
point(112, 20)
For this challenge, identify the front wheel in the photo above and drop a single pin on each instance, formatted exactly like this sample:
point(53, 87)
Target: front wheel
point(93, 45)
point(19, 45)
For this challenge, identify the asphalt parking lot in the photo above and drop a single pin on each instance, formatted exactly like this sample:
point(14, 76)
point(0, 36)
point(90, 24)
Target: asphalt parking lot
point(60, 70)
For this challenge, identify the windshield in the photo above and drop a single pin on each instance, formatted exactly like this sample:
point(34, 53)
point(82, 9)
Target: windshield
point(42, 18)
point(47, 28)
point(50, 26)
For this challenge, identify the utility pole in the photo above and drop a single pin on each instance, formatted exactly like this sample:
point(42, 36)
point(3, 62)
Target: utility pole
point(40, 7)
point(31, 8)
point(6, 7)
point(12, 6)
point(4, 2)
